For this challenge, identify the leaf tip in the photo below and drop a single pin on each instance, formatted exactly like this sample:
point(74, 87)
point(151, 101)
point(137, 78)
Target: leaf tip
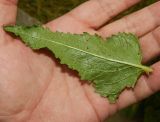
point(9, 28)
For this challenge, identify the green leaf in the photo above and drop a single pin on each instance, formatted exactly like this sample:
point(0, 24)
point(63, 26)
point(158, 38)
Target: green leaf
point(110, 65)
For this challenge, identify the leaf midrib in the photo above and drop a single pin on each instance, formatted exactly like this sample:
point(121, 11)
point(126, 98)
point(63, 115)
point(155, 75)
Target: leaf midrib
point(146, 69)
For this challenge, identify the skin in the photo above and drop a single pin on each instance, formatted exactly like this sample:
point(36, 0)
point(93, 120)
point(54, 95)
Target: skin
point(35, 88)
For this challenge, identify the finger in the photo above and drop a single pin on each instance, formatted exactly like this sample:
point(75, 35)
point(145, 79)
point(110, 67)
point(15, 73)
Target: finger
point(140, 22)
point(8, 10)
point(150, 45)
point(94, 13)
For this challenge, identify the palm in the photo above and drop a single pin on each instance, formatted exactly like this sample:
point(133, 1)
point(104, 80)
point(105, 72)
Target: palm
point(34, 82)
point(36, 88)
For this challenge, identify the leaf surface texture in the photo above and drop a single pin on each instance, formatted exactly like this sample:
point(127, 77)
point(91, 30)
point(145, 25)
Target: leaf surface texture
point(110, 64)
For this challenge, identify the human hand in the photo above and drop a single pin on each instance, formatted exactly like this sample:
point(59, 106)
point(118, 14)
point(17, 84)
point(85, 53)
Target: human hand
point(35, 88)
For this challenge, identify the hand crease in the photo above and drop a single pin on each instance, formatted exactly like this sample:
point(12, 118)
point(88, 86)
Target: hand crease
point(84, 23)
point(155, 37)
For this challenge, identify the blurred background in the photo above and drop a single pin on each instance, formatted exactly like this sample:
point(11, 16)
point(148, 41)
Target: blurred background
point(42, 11)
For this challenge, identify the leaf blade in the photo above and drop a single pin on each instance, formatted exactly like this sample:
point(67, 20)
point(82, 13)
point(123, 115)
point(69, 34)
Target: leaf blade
point(96, 59)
